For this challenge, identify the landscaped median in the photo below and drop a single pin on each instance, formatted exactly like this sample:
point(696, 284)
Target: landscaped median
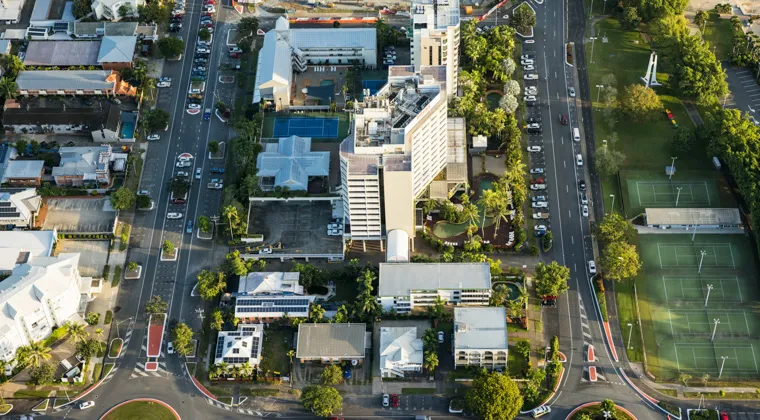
point(144, 408)
point(114, 351)
point(595, 409)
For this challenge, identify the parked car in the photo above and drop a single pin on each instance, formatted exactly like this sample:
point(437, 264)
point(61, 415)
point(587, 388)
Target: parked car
point(529, 98)
point(193, 106)
point(440, 337)
point(531, 90)
point(539, 227)
point(394, 400)
point(203, 51)
point(527, 57)
point(538, 187)
point(182, 174)
point(534, 149)
point(540, 205)
point(571, 91)
point(143, 192)
point(592, 267)
point(526, 62)
point(582, 185)
point(217, 170)
point(386, 400)
point(539, 198)
point(153, 137)
point(200, 61)
point(579, 159)
point(528, 67)
point(537, 171)
point(173, 215)
point(163, 84)
point(584, 199)
point(170, 347)
point(584, 211)
point(530, 76)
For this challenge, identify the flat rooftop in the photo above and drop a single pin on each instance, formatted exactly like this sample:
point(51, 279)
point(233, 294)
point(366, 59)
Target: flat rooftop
point(330, 341)
point(295, 227)
point(685, 216)
point(79, 215)
point(480, 328)
point(400, 279)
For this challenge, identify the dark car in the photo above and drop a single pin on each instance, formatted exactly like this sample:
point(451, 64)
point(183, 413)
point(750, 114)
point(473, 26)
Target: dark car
point(582, 185)
point(189, 228)
point(563, 119)
point(217, 170)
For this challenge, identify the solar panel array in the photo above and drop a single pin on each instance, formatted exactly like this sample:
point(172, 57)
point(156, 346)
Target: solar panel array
point(268, 305)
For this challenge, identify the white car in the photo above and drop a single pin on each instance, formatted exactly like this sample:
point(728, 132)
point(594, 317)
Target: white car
point(535, 171)
point(526, 62)
point(572, 92)
point(173, 215)
point(209, 8)
point(534, 149)
point(199, 68)
point(538, 187)
point(386, 400)
point(183, 164)
point(440, 337)
point(164, 84)
point(539, 227)
point(528, 67)
point(592, 267)
point(529, 98)
point(584, 199)
point(143, 192)
point(193, 106)
point(584, 211)
point(153, 137)
point(540, 205)
point(87, 404)
point(198, 173)
point(579, 159)
point(540, 411)
point(537, 216)
point(530, 76)
point(182, 173)
point(531, 90)
point(526, 57)
point(203, 51)
point(534, 125)
point(215, 186)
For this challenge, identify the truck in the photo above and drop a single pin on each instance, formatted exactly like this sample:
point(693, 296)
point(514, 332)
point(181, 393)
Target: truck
point(540, 215)
point(197, 87)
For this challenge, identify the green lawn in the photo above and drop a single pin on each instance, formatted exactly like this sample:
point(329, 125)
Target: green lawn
point(720, 33)
point(141, 410)
point(274, 352)
point(32, 393)
point(516, 364)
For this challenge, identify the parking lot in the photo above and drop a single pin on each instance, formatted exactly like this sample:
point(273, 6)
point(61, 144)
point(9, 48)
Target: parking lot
point(79, 215)
point(744, 91)
point(93, 255)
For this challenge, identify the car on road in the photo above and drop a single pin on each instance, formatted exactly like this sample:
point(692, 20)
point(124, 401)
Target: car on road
point(527, 57)
point(173, 215)
point(540, 411)
point(592, 267)
point(200, 61)
point(529, 98)
point(571, 91)
point(723, 415)
point(579, 159)
point(87, 404)
point(584, 210)
point(539, 227)
point(538, 187)
point(563, 119)
point(534, 125)
point(182, 173)
point(584, 199)
point(582, 185)
point(440, 337)
point(199, 68)
point(143, 192)
point(203, 51)
point(539, 215)
point(531, 76)
point(170, 347)
point(193, 106)
point(386, 400)
point(539, 198)
point(526, 62)
point(528, 67)
point(215, 186)
point(217, 170)
point(534, 119)
point(534, 149)
point(175, 27)
point(153, 137)
point(531, 90)
point(394, 400)
point(189, 227)
point(163, 84)
point(540, 205)
point(198, 173)
point(537, 171)
point(388, 62)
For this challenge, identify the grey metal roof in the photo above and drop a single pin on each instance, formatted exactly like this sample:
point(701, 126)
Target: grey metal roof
point(81, 160)
point(64, 80)
point(62, 53)
point(330, 341)
point(480, 328)
point(117, 49)
point(103, 28)
point(24, 168)
point(291, 162)
point(684, 216)
point(400, 279)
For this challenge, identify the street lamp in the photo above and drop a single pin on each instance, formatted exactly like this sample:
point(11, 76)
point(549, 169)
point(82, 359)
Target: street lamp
point(604, 9)
point(722, 362)
point(593, 38)
point(678, 194)
point(716, 321)
point(702, 254)
point(709, 288)
point(598, 91)
point(630, 325)
point(672, 166)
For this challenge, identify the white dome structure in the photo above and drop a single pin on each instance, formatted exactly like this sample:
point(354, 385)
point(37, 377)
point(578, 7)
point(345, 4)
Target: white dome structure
point(398, 246)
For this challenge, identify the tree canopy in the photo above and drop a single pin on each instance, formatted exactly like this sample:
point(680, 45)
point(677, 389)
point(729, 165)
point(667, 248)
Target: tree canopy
point(523, 18)
point(155, 119)
point(123, 199)
point(321, 400)
point(551, 279)
point(211, 284)
point(615, 228)
point(156, 305)
point(182, 339)
point(620, 261)
point(639, 102)
point(494, 396)
point(331, 375)
point(171, 46)
point(178, 186)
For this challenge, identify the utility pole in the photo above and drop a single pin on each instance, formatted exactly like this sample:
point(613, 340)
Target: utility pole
point(702, 254)
point(709, 288)
point(672, 167)
point(678, 195)
point(630, 325)
point(593, 38)
point(722, 362)
point(716, 321)
point(598, 92)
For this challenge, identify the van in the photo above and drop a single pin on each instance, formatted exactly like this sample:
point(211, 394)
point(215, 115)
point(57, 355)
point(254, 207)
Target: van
point(576, 134)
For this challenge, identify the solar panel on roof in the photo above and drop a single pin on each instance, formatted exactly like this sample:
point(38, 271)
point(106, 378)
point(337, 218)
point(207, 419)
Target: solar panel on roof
point(219, 347)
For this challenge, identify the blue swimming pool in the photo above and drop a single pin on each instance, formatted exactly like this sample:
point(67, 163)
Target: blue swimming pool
point(128, 130)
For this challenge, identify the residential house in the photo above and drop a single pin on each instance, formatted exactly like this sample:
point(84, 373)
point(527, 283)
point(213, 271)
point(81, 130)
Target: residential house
point(117, 52)
point(331, 343)
point(41, 116)
point(24, 173)
point(41, 293)
point(406, 286)
point(267, 296)
point(10, 11)
point(239, 347)
point(480, 337)
point(401, 351)
point(109, 9)
point(83, 165)
point(291, 163)
point(73, 83)
point(19, 207)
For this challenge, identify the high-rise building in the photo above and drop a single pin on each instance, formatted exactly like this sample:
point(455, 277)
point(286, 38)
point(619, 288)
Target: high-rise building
point(435, 37)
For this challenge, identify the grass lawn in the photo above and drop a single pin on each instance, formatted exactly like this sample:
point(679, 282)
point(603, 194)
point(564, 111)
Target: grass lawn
point(141, 410)
point(516, 364)
point(595, 411)
point(32, 393)
point(277, 343)
point(720, 33)
point(627, 314)
point(418, 391)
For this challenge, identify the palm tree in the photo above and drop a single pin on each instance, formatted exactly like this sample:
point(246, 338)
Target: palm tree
point(13, 65)
point(77, 332)
point(223, 368)
point(429, 338)
point(523, 296)
point(429, 206)
point(609, 406)
point(37, 352)
point(317, 313)
point(469, 211)
point(246, 370)
point(99, 333)
point(488, 200)
point(8, 88)
point(431, 361)
point(236, 371)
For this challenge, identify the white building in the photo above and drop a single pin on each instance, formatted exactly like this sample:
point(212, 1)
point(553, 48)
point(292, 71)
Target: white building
point(109, 9)
point(267, 296)
point(435, 37)
point(399, 144)
point(238, 347)
point(728, 220)
point(400, 351)
point(41, 294)
point(405, 286)
point(19, 207)
point(290, 163)
point(480, 337)
point(10, 10)
point(287, 50)
point(19, 246)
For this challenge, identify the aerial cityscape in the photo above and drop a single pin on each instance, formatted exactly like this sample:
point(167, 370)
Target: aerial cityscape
point(373, 209)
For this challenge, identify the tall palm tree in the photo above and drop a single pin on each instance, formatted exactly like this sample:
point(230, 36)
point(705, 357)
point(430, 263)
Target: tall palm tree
point(99, 333)
point(8, 88)
point(488, 199)
point(429, 206)
point(317, 313)
point(223, 367)
point(246, 370)
point(431, 361)
point(13, 65)
point(77, 332)
point(523, 296)
point(37, 352)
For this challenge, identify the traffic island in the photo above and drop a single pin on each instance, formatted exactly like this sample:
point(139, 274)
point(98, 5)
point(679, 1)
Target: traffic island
point(141, 408)
point(219, 155)
point(168, 251)
point(134, 273)
point(5, 409)
point(114, 350)
point(594, 410)
point(156, 325)
point(205, 236)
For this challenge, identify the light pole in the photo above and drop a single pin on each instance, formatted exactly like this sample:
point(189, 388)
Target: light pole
point(613, 202)
point(709, 288)
point(724, 100)
point(672, 166)
point(693, 235)
point(722, 362)
point(598, 92)
point(716, 321)
point(630, 325)
point(591, 10)
point(604, 9)
point(593, 38)
point(678, 195)
point(702, 254)
point(117, 325)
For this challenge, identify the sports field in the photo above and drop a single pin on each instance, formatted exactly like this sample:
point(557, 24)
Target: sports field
point(320, 126)
point(642, 189)
point(697, 302)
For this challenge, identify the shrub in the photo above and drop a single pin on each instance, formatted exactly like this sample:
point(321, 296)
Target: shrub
point(722, 393)
point(93, 318)
point(106, 271)
point(108, 318)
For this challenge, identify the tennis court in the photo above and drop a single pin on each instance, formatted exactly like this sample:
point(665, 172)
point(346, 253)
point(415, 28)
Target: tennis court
point(306, 127)
point(693, 317)
point(665, 194)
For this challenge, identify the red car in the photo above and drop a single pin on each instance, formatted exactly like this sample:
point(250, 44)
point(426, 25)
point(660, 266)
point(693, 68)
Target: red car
point(209, 2)
point(563, 119)
point(394, 400)
point(723, 415)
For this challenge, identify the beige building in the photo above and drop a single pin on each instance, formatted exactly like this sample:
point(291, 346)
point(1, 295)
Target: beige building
point(480, 337)
point(435, 37)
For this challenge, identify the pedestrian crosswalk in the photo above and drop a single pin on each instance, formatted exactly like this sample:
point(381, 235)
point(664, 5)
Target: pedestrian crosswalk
point(140, 372)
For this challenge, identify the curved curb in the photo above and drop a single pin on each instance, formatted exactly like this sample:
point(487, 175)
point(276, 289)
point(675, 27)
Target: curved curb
point(572, 45)
point(153, 400)
point(646, 397)
point(610, 343)
point(588, 404)
point(202, 389)
point(554, 392)
point(10, 407)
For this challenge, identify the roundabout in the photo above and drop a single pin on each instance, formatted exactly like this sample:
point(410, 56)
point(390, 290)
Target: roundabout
point(141, 408)
point(594, 411)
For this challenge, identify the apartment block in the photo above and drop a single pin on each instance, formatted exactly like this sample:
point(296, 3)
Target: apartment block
point(480, 337)
point(435, 37)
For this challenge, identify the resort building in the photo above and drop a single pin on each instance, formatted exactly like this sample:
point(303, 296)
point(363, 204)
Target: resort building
point(480, 337)
point(435, 37)
point(290, 163)
point(406, 286)
point(331, 343)
point(240, 347)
